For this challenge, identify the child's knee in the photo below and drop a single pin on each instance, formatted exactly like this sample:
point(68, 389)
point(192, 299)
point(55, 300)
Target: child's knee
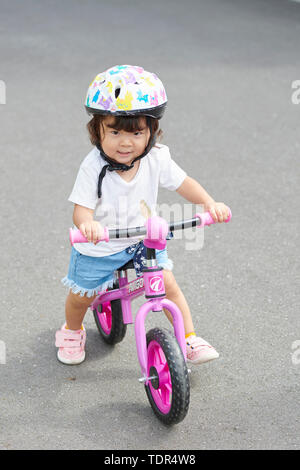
point(79, 300)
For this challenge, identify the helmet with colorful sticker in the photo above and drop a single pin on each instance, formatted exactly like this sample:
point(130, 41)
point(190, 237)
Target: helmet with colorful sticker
point(126, 90)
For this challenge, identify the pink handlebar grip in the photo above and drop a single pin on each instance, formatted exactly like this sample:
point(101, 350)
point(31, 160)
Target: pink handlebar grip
point(206, 218)
point(77, 237)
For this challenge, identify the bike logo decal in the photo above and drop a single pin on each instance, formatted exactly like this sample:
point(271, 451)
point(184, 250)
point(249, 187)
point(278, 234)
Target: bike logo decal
point(156, 283)
point(135, 285)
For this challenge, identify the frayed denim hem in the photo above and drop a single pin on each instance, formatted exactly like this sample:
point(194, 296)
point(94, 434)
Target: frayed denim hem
point(88, 292)
point(82, 291)
point(168, 265)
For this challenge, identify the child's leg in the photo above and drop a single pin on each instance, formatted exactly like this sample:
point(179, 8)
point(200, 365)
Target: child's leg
point(198, 350)
point(75, 308)
point(174, 293)
point(88, 275)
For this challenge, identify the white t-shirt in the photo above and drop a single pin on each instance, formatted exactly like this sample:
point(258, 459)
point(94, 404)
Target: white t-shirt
point(119, 205)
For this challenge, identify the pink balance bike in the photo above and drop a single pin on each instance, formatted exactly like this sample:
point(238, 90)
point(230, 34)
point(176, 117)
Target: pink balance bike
point(161, 353)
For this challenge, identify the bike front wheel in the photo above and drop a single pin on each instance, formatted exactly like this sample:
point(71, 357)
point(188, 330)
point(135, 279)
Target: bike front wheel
point(169, 389)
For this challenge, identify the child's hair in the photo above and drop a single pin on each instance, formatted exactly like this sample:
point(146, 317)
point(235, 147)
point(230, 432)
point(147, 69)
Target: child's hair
point(122, 123)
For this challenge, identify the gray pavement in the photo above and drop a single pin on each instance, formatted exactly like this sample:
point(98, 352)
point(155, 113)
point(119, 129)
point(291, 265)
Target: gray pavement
point(228, 67)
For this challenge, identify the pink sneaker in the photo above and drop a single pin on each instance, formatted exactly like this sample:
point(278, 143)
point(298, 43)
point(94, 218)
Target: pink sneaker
point(199, 351)
point(71, 345)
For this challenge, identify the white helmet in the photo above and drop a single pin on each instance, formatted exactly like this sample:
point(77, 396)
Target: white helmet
point(126, 90)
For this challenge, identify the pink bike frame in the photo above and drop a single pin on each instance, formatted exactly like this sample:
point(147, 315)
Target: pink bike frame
point(151, 283)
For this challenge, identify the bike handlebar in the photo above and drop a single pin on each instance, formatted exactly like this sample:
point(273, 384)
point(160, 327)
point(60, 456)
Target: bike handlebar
point(200, 220)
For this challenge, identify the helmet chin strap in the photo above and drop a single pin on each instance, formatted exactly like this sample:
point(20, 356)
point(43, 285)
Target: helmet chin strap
point(114, 165)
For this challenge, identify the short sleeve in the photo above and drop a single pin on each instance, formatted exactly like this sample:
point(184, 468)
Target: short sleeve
point(171, 175)
point(85, 191)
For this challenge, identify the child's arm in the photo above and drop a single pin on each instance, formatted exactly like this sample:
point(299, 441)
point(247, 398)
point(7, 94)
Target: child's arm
point(192, 191)
point(83, 218)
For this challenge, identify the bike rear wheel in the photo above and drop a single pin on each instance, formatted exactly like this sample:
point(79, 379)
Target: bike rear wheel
point(169, 391)
point(109, 320)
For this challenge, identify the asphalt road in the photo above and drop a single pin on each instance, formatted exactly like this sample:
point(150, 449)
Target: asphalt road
point(228, 67)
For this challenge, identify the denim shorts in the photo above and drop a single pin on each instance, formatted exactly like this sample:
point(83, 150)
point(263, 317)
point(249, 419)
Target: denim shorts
point(89, 275)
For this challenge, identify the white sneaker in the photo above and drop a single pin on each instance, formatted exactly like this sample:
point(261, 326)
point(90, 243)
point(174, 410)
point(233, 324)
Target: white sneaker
point(71, 345)
point(199, 351)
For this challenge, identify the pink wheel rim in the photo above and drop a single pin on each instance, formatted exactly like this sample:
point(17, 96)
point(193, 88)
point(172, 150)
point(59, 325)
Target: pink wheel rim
point(163, 394)
point(104, 317)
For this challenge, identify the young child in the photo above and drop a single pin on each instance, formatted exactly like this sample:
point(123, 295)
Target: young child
point(125, 167)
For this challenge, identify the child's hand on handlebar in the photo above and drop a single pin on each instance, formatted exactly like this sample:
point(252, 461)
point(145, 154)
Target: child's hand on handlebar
point(92, 230)
point(218, 210)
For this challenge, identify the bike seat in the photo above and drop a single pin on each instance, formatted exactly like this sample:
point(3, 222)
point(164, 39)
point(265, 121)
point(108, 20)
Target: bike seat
point(128, 265)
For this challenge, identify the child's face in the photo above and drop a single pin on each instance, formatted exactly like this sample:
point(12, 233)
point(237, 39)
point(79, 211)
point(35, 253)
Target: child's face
point(123, 146)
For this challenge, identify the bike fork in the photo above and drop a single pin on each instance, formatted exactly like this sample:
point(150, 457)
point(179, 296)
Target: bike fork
point(156, 305)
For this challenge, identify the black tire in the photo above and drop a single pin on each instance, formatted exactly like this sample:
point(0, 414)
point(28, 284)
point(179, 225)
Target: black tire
point(180, 397)
point(118, 329)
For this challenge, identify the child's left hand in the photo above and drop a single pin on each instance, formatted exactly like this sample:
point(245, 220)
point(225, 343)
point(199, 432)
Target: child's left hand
point(218, 210)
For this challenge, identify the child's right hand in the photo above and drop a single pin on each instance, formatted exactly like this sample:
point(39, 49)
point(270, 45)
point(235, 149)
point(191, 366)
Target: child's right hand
point(92, 230)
